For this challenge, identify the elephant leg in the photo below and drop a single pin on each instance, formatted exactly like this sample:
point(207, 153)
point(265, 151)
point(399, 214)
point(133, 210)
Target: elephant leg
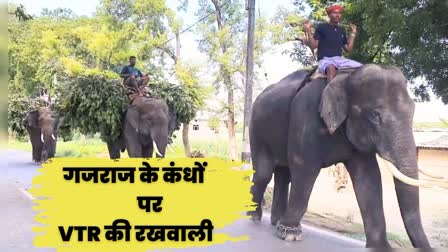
point(280, 195)
point(35, 156)
point(264, 169)
point(39, 149)
point(114, 150)
point(366, 177)
point(147, 150)
point(36, 144)
point(303, 176)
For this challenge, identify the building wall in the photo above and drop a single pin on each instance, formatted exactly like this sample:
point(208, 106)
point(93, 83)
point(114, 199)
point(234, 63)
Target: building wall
point(199, 129)
point(434, 160)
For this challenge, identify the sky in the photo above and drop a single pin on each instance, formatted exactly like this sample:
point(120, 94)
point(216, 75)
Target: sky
point(276, 65)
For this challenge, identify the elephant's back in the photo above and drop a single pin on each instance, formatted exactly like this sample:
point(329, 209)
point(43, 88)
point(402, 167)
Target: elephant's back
point(270, 114)
point(277, 97)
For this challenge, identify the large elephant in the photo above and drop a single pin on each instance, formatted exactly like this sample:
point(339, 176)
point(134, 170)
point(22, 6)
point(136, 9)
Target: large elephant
point(146, 126)
point(295, 132)
point(42, 129)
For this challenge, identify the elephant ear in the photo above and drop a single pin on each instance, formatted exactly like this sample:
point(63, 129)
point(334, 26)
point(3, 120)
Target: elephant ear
point(32, 119)
point(133, 117)
point(334, 103)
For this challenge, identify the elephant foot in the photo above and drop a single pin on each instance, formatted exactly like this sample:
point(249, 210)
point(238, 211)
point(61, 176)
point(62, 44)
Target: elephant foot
point(289, 233)
point(255, 216)
point(275, 221)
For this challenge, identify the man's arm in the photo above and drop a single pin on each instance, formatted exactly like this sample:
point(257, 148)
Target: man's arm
point(351, 40)
point(124, 73)
point(139, 73)
point(311, 40)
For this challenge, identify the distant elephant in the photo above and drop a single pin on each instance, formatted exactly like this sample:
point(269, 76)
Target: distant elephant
point(294, 133)
point(42, 129)
point(146, 126)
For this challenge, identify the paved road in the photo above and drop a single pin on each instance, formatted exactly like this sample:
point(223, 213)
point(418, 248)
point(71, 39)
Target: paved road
point(18, 215)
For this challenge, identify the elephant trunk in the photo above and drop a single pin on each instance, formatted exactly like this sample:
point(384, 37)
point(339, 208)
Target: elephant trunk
point(48, 139)
point(404, 156)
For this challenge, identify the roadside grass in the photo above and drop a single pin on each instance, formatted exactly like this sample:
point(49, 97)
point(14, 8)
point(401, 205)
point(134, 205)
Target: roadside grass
point(76, 148)
point(430, 125)
point(82, 146)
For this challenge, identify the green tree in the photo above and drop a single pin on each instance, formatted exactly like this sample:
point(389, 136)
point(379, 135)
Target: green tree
point(83, 56)
point(214, 123)
point(411, 34)
point(224, 38)
point(186, 74)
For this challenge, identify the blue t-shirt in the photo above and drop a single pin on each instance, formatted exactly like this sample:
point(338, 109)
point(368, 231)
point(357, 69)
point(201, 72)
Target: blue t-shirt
point(131, 70)
point(331, 40)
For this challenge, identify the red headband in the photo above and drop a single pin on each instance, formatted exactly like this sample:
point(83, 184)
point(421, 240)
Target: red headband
point(333, 8)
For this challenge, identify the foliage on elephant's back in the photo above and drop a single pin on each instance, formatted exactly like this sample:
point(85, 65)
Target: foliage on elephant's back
point(18, 106)
point(93, 103)
point(186, 101)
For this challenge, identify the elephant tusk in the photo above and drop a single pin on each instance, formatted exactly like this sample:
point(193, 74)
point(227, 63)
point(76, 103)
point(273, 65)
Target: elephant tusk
point(42, 136)
point(156, 149)
point(52, 136)
point(410, 181)
point(432, 175)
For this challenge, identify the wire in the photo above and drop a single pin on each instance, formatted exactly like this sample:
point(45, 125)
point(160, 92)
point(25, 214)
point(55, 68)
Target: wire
point(189, 27)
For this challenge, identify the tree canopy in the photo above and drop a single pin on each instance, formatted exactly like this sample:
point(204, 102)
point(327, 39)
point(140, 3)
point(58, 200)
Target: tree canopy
point(78, 60)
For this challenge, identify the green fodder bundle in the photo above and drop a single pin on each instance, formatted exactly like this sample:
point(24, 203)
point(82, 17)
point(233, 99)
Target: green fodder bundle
point(18, 106)
point(93, 103)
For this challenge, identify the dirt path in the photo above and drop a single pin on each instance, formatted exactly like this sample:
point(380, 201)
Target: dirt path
point(339, 211)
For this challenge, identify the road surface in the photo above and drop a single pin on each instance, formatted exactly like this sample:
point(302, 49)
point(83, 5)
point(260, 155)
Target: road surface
point(16, 176)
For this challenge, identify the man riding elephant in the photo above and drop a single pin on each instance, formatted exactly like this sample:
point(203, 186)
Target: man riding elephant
point(329, 39)
point(133, 77)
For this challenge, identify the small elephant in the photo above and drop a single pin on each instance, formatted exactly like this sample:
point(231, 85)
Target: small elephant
point(147, 124)
point(360, 114)
point(42, 129)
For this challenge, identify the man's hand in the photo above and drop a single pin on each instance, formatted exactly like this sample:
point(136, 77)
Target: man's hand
point(307, 25)
point(353, 26)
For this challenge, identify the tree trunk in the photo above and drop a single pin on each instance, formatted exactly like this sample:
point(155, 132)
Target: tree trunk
point(231, 123)
point(231, 148)
point(185, 126)
point(185, 139)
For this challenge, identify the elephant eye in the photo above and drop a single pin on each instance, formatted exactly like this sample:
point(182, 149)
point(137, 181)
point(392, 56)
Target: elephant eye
point(374, 117)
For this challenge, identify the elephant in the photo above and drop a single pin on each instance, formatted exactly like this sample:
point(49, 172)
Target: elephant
point(301, 124)
point(147, 123)
point(42, 127)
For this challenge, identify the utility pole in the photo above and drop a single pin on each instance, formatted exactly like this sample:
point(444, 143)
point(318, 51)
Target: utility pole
point(249, 79)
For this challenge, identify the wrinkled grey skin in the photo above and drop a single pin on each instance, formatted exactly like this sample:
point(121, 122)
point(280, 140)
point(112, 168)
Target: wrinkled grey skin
point(42, 125)
point(370, 111)
point(145, 121)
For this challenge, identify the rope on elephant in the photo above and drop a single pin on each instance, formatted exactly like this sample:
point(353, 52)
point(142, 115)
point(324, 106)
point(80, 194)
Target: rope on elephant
point(306, 79)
